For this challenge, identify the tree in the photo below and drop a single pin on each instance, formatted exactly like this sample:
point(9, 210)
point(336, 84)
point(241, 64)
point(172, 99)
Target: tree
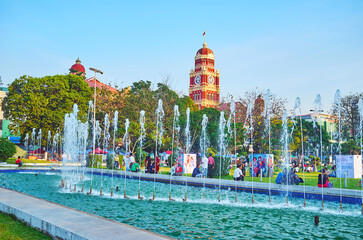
point(349, 115)
point(7, 149)
point(41, 103)
point(260, 130)
point(142, 97)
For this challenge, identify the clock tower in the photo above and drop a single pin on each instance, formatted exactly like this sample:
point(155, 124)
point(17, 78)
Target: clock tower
point(204, 80)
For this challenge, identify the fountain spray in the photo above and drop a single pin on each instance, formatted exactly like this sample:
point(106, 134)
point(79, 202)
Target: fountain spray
point(360, 109)
point(176, 128)
point(187, 149)
point(249, 132)
point(232, 116)
point(285, 141)
point(142, 136)
point(115, 121)
point(293, 119)
point(125, 140)
point(106, 138)
point(298, 104)
point(33, 139)
point(159, 134)
point(222, 139)
point(204, 142)
point(338, 104)
point(26, 142)
point(267, 114)
point(317, 117)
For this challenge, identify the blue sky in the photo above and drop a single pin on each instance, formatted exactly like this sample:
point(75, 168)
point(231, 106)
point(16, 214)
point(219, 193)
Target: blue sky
point(293, 48)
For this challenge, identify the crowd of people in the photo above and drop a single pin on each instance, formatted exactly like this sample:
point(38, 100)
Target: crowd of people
point(205, 167)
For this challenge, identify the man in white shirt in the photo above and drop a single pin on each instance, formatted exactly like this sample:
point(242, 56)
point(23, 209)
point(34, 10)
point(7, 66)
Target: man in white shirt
point(131, 160)
point(238, 175)
point(204, 166)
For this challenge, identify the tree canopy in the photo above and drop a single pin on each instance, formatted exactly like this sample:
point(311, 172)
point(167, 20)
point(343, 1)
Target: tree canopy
point(41, 103)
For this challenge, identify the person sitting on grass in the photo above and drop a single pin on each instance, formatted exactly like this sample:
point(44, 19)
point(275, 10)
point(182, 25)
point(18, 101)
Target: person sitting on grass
point(135, 167)
point(179, 170)
point(238, 175)
point(196, 171)
point(172, 170)
point(19, 162)
point(323, 180)
point(152, 167)
point(281, 177)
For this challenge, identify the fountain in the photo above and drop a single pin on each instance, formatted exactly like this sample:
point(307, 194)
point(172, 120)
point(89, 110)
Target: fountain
point(125, 140)
point(187, 148)
point(267, 115)
point(285, 144)
point(176, 132)
point(159, 134)
point(115, 120)
point(106, 139)
point(204, 143)
point(317, 118)
point(141, 138)
point(338, 105)
point(197, 214)
point(222, 147)
point(360, 109)
point(249, 136)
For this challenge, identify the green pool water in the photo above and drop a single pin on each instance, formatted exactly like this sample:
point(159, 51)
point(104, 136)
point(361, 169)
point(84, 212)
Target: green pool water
point(197, 218)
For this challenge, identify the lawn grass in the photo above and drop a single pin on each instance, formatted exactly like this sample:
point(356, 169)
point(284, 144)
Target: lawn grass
point(24, 160)
point(11, 228)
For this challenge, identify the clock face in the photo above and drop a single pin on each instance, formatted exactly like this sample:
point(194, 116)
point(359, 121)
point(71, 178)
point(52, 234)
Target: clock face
point(210, 79)
point(197, 80)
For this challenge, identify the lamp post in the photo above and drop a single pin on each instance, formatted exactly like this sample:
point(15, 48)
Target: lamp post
point(94, 119)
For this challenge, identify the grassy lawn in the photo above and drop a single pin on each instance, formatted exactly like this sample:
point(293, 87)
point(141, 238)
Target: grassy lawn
point(24, 160)
point(11, 228)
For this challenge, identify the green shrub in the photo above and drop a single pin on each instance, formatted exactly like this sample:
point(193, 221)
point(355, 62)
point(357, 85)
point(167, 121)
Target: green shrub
point(121, 160)
point(110, 161)
point(7, 149)
point(224, 168)
point(94, 163)
point(172, 158)
point(137, 156)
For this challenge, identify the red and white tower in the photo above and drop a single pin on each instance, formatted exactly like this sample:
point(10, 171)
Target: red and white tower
point(204, 80)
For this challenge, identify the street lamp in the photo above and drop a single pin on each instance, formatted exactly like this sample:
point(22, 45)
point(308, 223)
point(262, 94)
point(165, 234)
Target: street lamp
point(94, 119)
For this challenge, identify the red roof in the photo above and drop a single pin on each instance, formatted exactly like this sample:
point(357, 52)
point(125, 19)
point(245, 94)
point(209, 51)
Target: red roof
point(91, 84)
point(78, 66)
point(205, 50)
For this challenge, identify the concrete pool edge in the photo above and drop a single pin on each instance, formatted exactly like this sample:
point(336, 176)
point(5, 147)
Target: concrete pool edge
point(63, 222)
point(350, 196)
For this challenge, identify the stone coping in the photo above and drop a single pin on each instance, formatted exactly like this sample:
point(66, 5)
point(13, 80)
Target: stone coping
point(63, 222)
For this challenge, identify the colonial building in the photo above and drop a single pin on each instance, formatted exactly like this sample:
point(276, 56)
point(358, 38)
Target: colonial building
point(78, 69)
point(204, 80)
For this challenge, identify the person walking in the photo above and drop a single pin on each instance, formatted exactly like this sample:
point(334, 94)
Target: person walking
point(210, 166)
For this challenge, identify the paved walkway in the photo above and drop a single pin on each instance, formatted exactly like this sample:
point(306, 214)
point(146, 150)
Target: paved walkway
point(67, 223)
